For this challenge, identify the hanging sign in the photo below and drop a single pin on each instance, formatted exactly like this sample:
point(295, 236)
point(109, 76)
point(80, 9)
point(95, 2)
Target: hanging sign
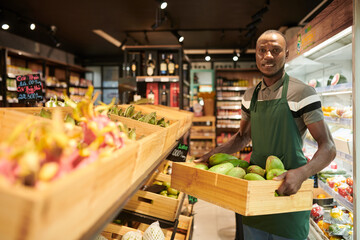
point(29, 87)
point(179, 153)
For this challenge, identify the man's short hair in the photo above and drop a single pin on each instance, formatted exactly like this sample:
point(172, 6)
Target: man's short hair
point(273, 31)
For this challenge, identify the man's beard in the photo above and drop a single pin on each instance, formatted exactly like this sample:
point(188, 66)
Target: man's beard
point(280, 72)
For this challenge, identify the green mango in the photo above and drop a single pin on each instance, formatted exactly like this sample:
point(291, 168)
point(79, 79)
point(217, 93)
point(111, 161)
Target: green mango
point(253, 176)
point(167, 184)
point(273, 162)
point(172, 196)
point(274, 173)
point(202, 166)
point(237, 172)
point(218, 158)
point(164, 193)
point(238, 163)
point(172, 191)
point(256, 169)
point(222, 168)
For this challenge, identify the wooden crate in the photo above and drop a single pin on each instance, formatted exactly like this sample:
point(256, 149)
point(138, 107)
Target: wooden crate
point(172, 130)
point(114, 231)
point(185, 117)
point(151, 146)
point(69, 205)
point(36, 110)
point(155, 205)
point(9, 119)
point(248, 198)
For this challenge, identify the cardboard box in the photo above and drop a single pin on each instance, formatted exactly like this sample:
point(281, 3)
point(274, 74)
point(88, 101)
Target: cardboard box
point(248, 198)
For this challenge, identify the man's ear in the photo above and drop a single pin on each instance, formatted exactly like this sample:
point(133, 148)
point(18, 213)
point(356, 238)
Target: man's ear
point(287, 53)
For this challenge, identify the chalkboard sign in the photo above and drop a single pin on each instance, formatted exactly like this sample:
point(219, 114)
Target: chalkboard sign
point(29, 87)
point(179, 153)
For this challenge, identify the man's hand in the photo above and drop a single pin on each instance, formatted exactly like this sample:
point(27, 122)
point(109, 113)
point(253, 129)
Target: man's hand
point(201, 160)
point(292, 181)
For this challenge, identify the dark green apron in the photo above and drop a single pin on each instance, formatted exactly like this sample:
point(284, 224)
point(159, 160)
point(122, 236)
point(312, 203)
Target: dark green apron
point(274, 132)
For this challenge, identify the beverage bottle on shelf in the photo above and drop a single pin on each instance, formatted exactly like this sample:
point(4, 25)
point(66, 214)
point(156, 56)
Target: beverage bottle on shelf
point(150, 66)
point(163, 65)
point(151, 95)
point(133, 66)
point(163, 98)
point(175, 97)
point(171, 65)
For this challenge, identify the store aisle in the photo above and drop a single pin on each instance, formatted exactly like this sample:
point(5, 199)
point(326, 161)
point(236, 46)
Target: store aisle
point(213, 222)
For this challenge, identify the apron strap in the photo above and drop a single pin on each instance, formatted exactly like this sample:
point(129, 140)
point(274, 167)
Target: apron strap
point(285, 88)
point(255, 97)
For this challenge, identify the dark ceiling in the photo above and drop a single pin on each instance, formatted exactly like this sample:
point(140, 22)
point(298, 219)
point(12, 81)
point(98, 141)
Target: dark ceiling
point(75, 20)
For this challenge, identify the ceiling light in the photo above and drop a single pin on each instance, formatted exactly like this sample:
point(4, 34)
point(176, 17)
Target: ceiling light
point(235, 56)
point(260, 13)
point(163, 4)
point(32, 26)
point(107, 37)
point(5, 26)
point(207, 56)
point(178, 36)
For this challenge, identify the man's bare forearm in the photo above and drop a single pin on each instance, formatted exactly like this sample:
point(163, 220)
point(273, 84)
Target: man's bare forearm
point(235, 144)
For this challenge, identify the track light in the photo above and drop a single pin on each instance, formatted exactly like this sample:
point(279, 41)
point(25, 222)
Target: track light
point(260, 13)
point(235, 56)
point(253, 24)
point(163, 4)
point(178, 36)
point(251, 33)
point(32, 26)
point(207, 56)
point(5, 26)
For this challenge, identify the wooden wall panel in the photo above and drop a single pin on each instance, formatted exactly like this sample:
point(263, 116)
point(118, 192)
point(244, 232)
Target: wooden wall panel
point(332, 20)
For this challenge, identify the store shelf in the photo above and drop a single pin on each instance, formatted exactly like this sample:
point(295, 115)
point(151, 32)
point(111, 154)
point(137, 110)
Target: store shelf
point(117, 207)
point(78, 86)
point(341, 121)
point(186, 95)
point(339, 155)
point(12, 89)
point(230, 98)
point(315, 232)
point(54, 86)
point(229, 107)
point(345, 88)
point(232, 88)
point(228, 126)
point(342, 201)
point(157, 79)
point(186, 83)
point(235, 117)
point(202, 137)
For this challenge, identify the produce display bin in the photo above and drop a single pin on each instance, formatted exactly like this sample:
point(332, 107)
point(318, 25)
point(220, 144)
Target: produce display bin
point(114, 231)
point(176, 128)
point(156, 205)
point(151, 143)
point(248, 198)
point(185, 117)
point(36, 110)
point(69, 205)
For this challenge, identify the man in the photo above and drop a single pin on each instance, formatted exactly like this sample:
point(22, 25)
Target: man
point(275, 116)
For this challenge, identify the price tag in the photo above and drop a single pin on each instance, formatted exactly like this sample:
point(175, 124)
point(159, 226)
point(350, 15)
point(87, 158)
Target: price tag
point(149, 79)
point(29, 87)
point(179, 153)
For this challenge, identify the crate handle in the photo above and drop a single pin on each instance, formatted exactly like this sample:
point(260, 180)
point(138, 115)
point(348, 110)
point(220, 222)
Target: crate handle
point(146, 200)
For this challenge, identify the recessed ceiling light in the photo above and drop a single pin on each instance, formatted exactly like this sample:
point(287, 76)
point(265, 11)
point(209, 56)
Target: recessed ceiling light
point(32, 26)
point(5, 26)
point(163, 5)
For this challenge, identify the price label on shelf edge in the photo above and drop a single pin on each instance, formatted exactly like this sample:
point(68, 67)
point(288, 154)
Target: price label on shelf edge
point(179, 153)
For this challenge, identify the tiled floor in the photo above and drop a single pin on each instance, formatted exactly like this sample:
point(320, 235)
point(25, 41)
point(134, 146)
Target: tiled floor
point(212, 222)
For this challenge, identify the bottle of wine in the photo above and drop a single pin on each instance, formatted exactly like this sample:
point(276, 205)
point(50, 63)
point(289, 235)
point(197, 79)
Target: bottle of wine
point(133, 66)
point(163, 66)
point(171, 65)
point(163, 99)
point(175, 97)
point(151, 95)
point(150, 66)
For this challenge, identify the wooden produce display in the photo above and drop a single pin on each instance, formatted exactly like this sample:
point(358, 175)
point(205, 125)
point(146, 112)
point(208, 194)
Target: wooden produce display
point(170, 115)
point(36, 110)
point(151, 139)
point(114, 231)
point(248, 198)
point(69, 205)
point(154, 204)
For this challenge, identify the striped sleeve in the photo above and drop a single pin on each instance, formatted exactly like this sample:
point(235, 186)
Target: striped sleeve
point(308, 107)
point(245, 104)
